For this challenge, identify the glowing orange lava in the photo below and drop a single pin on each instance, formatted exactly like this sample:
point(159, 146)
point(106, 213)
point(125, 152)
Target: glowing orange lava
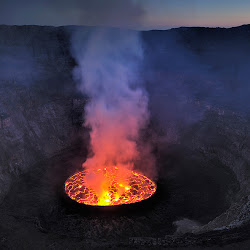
point(116, 187)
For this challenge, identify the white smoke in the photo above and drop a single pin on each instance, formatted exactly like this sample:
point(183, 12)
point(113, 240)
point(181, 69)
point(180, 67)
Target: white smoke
point(108, 62)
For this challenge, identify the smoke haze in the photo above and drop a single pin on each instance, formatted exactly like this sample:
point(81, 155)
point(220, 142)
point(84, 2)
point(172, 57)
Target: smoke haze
point(76, 12)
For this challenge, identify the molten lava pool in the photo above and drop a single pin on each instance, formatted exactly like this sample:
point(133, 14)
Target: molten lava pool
point(112, 187)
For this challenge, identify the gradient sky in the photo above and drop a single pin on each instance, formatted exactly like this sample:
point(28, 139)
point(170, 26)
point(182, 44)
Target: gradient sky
point(138, 14)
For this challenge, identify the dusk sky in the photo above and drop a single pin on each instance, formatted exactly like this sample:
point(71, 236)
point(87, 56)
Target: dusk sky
point(137, 14)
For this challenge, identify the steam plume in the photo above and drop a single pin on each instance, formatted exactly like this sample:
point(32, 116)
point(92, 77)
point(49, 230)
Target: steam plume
point(108, 72)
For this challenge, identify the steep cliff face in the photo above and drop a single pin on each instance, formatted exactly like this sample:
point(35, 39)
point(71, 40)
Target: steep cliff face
point(36, 95)
point(227, 144)
point(37, 127)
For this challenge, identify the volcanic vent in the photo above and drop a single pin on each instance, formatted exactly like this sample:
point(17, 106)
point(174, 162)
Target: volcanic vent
point(116, 189)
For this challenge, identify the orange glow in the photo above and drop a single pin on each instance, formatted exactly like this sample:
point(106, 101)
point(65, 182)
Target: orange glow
point(117, 186)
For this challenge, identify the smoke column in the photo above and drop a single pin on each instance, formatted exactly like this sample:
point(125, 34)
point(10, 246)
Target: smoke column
point(118, 107)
